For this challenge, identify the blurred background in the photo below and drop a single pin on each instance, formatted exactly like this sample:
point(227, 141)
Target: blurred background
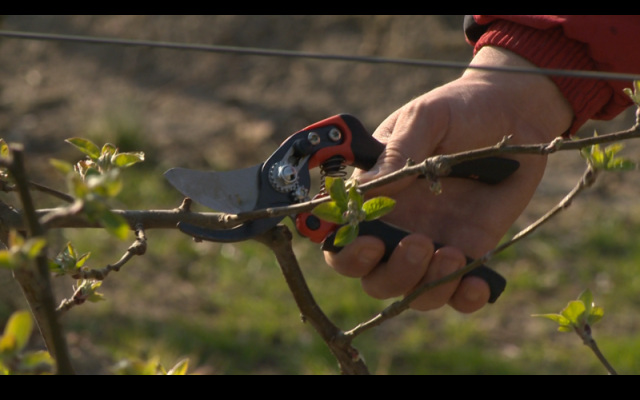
point(226, 307)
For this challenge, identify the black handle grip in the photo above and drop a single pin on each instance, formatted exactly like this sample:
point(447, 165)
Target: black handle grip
point(391, 236)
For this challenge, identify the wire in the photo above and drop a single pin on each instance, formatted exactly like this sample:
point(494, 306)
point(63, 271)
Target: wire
point(319, 56)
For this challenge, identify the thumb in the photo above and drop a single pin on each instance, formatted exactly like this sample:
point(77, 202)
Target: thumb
point(390, 160)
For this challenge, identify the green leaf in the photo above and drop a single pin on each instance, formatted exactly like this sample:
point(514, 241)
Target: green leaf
point(595, 315)
point(124, 160)
point(560, 319)
point(94, 296)
point(345, 235)
point(105, 185)
point(82, 259)
point(575, 312)
point(180, 368)
point(635, 93)
point(587, 298)
point(108, 150)
point(336, 189)
point(37, 361)
point(592, 312)
point(620, 164)
point(33, 246)
point(356, 197)
point(606, 159)
point(114, 224)
point(4, 149)
point(377, 207)
point(6, 259)
point(17, 332)
point(86, 146)
point(329, 211)
point(62, 166)
point(78, 186)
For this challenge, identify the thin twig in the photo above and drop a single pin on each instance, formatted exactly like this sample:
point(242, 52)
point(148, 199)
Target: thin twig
point(8, 187)
point(278, 240)
point(591, 343)
point(138, 248)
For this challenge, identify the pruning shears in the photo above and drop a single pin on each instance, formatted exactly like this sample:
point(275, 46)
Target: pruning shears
point(284, 179)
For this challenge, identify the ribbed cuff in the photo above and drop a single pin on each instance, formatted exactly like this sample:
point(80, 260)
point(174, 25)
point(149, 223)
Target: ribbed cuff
point(550, 48)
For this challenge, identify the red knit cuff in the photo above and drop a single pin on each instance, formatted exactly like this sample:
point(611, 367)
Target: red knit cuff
point(550, 48)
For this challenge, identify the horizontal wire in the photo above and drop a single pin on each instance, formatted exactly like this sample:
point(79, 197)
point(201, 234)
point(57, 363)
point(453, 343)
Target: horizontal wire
point(320, 56)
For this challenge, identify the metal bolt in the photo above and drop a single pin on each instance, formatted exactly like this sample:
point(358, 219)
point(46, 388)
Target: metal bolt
point(288, 174)
point(335, 134)
point(313, 138)
point(300, 194)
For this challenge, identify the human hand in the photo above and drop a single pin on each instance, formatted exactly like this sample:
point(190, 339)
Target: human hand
point(477, 110)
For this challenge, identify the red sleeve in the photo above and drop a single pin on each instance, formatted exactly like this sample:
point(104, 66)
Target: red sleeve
point(587, 42)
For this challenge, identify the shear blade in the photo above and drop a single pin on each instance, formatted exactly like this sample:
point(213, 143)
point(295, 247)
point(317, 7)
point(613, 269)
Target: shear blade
point(227, 191)
point(240, 233)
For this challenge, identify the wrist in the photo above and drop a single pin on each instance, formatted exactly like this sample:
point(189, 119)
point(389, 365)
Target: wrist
point(533, 105)
point(552, 49)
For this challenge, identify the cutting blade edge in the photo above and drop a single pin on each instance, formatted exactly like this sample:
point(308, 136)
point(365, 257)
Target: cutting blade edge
point(225, 191)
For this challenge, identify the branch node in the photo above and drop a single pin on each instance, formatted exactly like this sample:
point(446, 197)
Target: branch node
point(186, 205)
point(504, 141)
point(553, 146)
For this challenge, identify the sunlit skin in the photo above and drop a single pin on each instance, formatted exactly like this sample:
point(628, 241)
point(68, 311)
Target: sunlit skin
point(479, 109)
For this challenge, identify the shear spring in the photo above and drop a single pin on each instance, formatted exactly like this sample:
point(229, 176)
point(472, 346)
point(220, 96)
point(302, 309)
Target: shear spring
point(333, 167)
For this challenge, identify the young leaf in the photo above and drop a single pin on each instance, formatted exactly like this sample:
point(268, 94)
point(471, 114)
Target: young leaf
point(635, 93)
point(86, 146)
point(113, 223)
point(356, 197)
point(345, 235)
point(17, 332)
point(606, 159)
point(593, 313)
point(575, 312)
point(329, 211)
point(94, 296)
point(336, 189)
point(6, 259)
point(124, 160)
point(61, 165)
point(4, 148)
point(108, 150)
point(38, 361)
point(33, 246)
point(180, 368)
point(377, 207)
